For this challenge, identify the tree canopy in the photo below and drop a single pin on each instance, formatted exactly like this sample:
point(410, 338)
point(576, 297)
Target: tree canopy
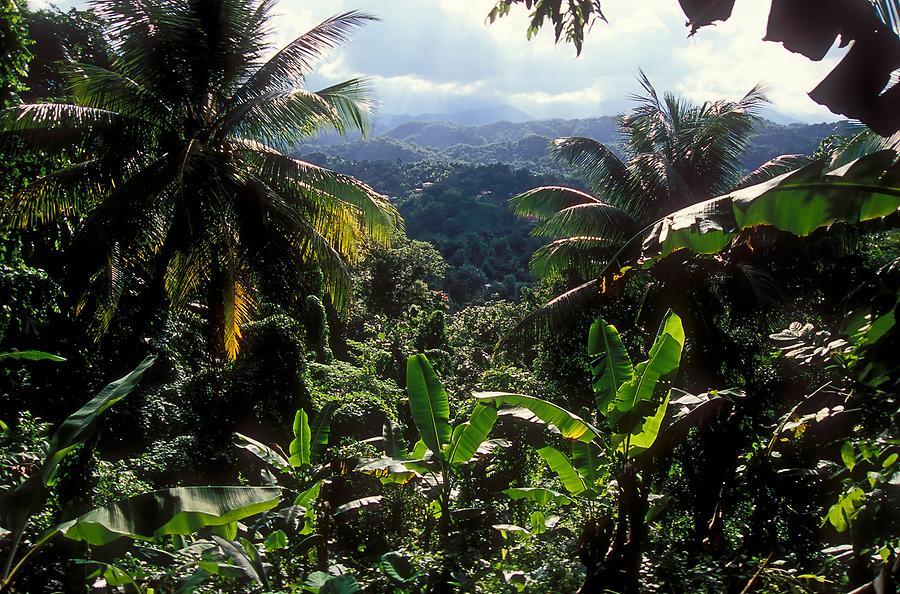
point(178, 184)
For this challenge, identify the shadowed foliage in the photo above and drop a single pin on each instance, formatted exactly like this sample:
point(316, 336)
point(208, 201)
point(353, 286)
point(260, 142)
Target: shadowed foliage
point(178, 187)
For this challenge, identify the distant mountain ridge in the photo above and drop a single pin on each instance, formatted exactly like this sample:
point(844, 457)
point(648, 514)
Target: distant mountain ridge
point(525, 144)
point(472, 117)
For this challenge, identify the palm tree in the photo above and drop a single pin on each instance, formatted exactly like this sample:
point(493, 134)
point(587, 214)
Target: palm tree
point(675, 154)
point(178, 182)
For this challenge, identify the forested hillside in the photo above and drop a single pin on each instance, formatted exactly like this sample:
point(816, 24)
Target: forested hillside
point(452, 185)
point(647, 354)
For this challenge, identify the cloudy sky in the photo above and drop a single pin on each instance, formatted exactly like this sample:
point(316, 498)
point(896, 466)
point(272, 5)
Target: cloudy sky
point(429, 56)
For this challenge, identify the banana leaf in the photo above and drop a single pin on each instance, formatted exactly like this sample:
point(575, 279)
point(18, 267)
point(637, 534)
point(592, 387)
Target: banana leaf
point(643, 435)
point(301, 445)
point(428, 403)
point(798, 202)
point(18, 504)
point(560, 464)
point(263, 452)
point(537, 495)
point(32, 356)
point(80, 426)
point(245, 558)
point(468, 437)
point(586, 459)
point(570, 425)
point(389, 470)
point(182, 510)
point(610, 363)
point(358, 504)
point(320, 430)
point(663, 362)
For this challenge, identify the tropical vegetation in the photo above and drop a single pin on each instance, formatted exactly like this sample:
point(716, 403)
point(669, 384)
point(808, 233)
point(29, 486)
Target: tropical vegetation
point(629, 363)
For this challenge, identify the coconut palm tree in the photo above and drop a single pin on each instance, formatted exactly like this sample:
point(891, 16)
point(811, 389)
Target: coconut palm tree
point(178, 180)
point(674, 154)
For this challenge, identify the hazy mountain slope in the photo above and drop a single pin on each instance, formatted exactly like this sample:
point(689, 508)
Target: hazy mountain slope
point(473, 117)
point(525, 144)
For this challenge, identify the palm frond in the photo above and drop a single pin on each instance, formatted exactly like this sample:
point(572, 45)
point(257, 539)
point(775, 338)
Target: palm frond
point(287, 68)
point(766, 290)
point(100, 88)
point(103, 293)
point(62, 193)
point(714, 138)
point(596, 220)
point(864, 142)
point(55, 126)
point(584, 256)
point(238, 301)
point(311, 247)
point(599, 165)
point(126, 216)
point(544, 202)
point(773, 168)
point(237, 38)
point(183, 276)
point(889, 13)
point(285, 174)
point(556, 316)
point(657, 186)
point(352, 100)
point(284, 119)
point(154, 41)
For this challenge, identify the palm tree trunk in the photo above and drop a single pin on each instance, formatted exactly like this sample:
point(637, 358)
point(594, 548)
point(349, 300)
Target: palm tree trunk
point(215, 319)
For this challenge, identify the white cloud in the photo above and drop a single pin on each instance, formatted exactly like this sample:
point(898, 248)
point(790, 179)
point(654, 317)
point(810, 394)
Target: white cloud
point(428, 54)
point(590, 95)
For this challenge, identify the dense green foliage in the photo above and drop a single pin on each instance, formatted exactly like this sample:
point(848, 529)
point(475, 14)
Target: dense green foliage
point(722, 418)
point(16, 44)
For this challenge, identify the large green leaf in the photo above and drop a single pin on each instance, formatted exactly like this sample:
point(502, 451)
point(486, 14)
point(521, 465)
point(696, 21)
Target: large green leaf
point(263, 452)
point(799, 202)
point(80, 426)
point(644, 433)
point(301, 445)
point(358, 504)
point(468, 436)
point(570, 425)
point(182, 510)
point(392, 435)
point(428, 403)
point(308, 497)
point(562, 466)
point(389, 470)
point(689, 411)
point(586, 459)
point(32, 356)
point(18, 504)
point(245, 558)
point(610, 363)
point(321, 430)
point(537, 495)
point(663, 362)
point(320, 582)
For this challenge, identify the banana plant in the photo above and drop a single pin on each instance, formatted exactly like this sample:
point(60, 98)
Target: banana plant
point(21, 503)
point(442, 450)
point(144, 517)
point(303, 473)
point(606, 462)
